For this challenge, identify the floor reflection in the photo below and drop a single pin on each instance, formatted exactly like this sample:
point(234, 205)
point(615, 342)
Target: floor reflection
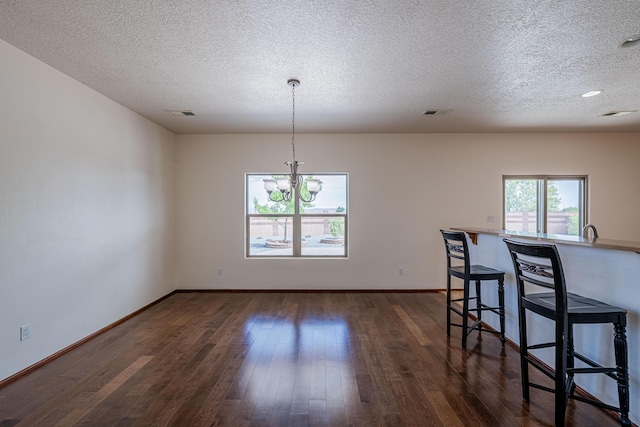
point(295, 362)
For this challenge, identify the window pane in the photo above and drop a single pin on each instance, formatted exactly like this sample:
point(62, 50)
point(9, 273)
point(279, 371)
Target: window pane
point(270, 236)
point(331, 199)
point(323, 236)
point(521, 204)
point(276, 228)
point(564, 198)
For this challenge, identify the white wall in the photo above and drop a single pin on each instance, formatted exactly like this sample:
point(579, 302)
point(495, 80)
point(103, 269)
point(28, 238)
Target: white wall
point(410, 184)
point(86, 210)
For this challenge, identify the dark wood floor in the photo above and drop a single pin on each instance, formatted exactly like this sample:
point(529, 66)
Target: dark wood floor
point(270, 359)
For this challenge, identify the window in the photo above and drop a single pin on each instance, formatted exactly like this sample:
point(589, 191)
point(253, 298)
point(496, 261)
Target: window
point(297, 228)
point(545, 204)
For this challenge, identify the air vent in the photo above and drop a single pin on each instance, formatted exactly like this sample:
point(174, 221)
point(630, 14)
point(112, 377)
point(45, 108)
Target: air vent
point(180, 112)
point(437, 112)
point(618, 113)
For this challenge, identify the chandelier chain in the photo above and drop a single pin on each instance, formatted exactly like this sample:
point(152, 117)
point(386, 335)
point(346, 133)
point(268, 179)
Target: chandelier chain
point(293, 121)
point(283, 188)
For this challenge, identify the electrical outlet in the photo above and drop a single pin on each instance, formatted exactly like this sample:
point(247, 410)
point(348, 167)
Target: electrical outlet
point(25, 332)
point(401, 271)
point(219, 272)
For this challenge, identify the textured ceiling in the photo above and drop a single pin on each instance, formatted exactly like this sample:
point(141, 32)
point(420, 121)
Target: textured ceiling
point(365, 66)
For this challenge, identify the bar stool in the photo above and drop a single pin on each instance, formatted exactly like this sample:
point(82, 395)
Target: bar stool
point(539, 266)
point(456, 246)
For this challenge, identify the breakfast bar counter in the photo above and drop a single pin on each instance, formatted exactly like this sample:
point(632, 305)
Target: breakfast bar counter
point(623, 245)
point(604, 269)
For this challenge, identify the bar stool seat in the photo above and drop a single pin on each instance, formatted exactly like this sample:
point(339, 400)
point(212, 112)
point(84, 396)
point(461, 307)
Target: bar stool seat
point(539, 266)
point(457, 249)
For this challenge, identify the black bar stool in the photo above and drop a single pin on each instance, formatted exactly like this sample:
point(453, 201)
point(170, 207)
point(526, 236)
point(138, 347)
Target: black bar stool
point(539, 267)
point(455, 243)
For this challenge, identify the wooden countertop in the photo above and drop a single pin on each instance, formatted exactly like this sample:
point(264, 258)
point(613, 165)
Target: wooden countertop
point(621, 245)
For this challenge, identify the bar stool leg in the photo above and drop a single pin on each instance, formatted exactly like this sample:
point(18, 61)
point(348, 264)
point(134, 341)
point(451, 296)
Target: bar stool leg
point(524, 365)
point(479, 306)
point(570, 358)
point(622, 369)
point(561, 372)
point(448, 304)
point(501, 309)
point(465, 314)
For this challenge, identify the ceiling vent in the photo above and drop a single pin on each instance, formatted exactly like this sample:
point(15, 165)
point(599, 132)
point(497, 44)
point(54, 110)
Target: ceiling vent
point(180, 112)
point(618, 113)
point(437, 112)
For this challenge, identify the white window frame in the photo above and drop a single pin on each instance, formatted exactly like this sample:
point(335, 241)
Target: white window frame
point(542, 211)
point(297, 218)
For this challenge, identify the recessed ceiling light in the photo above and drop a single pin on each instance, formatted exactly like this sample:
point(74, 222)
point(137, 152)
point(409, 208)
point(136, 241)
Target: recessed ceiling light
point(618, 113)
point(631, 41)
point(591, 93)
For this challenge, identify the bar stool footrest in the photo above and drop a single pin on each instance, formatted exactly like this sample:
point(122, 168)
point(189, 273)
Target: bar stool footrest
point(542, 367)
point(595, 367)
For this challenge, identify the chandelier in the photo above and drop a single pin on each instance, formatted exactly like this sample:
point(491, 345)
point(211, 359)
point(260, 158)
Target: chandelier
point(282, 188)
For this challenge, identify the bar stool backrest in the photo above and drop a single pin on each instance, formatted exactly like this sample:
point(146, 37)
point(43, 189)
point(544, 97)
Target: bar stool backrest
point(538, 266)
point(455, 243)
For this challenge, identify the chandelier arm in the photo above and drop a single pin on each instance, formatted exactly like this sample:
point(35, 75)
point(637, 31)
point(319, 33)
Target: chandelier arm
point(311, 199)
